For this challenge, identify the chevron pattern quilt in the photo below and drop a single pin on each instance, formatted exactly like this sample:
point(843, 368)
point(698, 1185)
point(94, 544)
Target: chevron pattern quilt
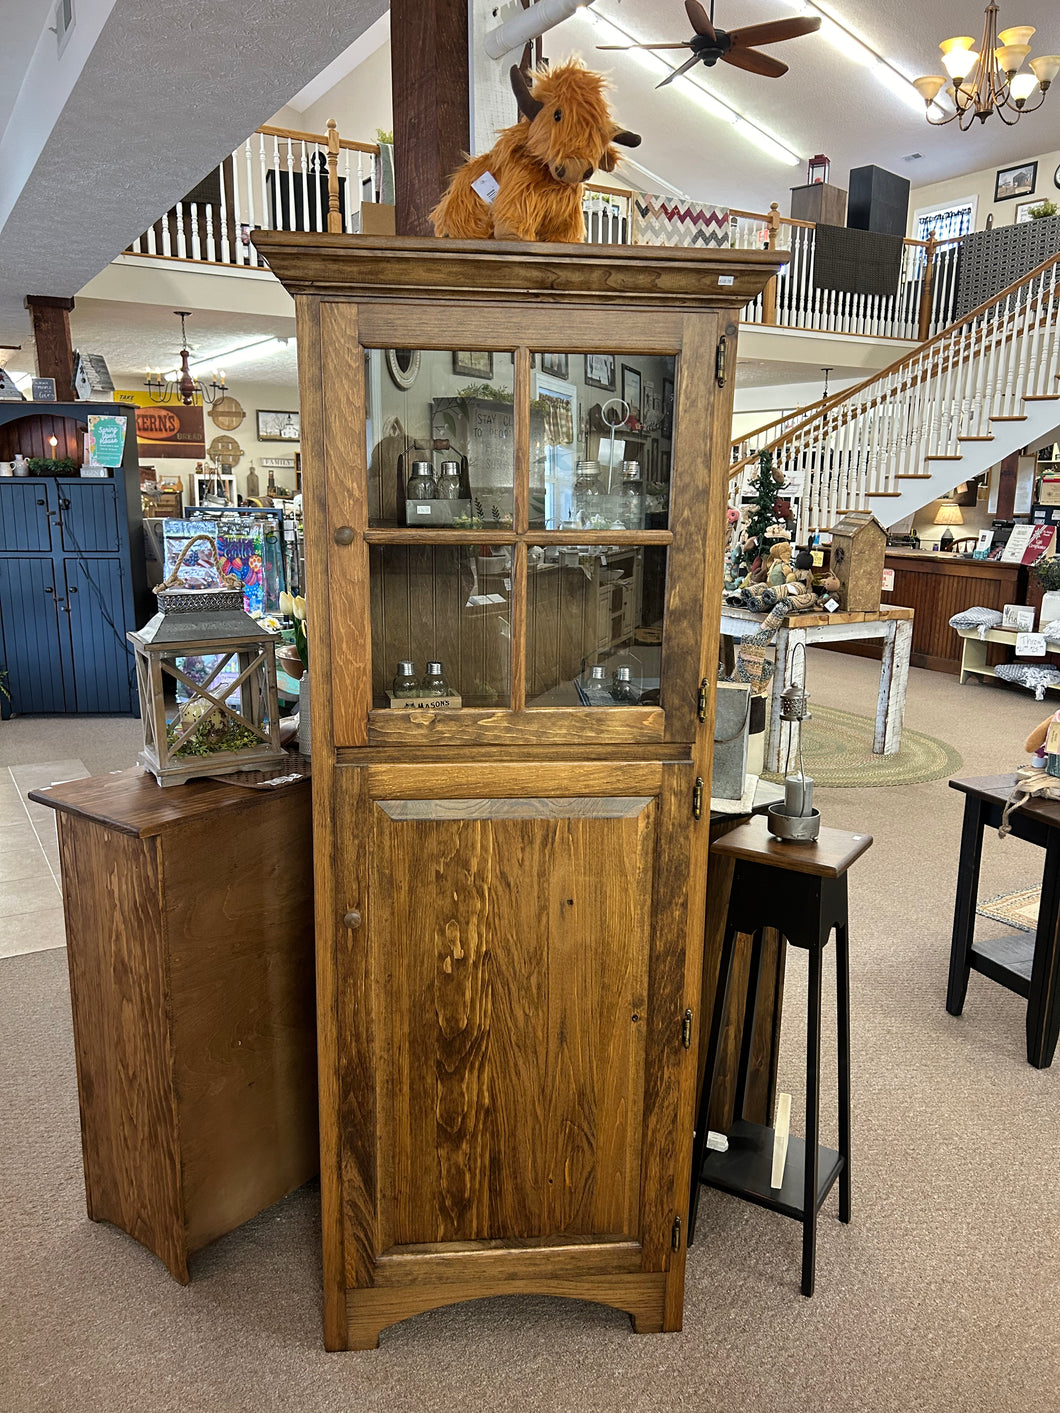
point(666, 220)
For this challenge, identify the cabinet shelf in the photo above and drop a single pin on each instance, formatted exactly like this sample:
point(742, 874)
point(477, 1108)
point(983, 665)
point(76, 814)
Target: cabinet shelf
point(407, 535)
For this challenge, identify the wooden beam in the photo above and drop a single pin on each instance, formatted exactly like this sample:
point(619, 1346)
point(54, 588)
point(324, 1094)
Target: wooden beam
point(431, 83)
point(50, 316)
point(1006, 487)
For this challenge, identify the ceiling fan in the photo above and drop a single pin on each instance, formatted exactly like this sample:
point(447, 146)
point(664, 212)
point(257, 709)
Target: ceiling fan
point(736, 46)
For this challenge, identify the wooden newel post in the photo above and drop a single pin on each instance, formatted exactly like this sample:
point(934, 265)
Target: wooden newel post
point(769, 294)
point(334, 208)
point(924, 322)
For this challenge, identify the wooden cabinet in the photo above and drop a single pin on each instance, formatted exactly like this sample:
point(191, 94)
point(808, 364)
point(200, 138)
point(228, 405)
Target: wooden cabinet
point(189, 919)
point(510, 895)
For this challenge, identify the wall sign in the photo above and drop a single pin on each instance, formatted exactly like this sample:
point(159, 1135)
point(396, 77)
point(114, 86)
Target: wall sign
point(170, 431)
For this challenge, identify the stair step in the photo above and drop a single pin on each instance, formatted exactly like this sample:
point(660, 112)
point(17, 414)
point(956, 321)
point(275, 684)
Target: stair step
point(914, 476)
point(988, 438)
point(1040, 397)
point(1007, 419)
point(947, 457)
point(883, 493)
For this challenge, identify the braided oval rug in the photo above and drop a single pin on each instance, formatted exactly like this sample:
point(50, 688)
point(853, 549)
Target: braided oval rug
point(837, 751)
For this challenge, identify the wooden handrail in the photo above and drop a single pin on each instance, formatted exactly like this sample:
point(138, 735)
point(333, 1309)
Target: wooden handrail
point(319, 138)
point(611, 190)
point(899, 363)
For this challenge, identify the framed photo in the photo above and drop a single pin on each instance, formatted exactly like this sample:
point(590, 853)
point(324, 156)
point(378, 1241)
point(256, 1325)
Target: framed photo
point(279, 427)
point(473, 365)
point(1011, 182)
point(1023, 212)
point(631, 391)
point(1018, 617)
point(556, 365)
point(600, 371)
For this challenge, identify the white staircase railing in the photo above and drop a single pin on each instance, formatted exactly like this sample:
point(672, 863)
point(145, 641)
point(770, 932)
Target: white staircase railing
point(977, 391)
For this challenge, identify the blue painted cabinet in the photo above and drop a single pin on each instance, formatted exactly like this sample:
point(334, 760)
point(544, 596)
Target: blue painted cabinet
point(72, 584)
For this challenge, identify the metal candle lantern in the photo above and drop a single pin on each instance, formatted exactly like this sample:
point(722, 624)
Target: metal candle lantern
point(193, 644)
point(818, 169)
point(795, 819)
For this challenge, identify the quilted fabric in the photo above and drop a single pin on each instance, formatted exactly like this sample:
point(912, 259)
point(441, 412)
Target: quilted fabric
point(978, 618)
point(668, 220)
point(1034, 676)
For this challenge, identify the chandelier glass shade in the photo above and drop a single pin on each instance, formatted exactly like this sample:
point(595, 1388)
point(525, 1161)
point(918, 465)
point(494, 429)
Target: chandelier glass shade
point(990, 79)
point(183, 387)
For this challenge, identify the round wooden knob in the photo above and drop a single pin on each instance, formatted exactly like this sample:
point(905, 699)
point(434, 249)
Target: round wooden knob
point(344, 535)
point(352, 918)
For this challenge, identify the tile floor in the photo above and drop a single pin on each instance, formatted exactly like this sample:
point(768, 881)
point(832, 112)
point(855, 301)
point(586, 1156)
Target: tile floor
point(31, 907)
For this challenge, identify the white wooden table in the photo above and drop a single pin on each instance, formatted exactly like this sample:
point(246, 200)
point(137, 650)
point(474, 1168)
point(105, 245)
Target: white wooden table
point(893, 625)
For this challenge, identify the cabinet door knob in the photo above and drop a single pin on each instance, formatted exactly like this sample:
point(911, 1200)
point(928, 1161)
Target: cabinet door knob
point(344, 535)
point(352, 919)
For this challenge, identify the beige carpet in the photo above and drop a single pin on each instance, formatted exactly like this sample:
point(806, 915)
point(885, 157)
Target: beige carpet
point(941, 1297)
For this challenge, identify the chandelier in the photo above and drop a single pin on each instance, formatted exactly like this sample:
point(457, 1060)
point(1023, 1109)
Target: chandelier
point(989, 79)
point(185, 386)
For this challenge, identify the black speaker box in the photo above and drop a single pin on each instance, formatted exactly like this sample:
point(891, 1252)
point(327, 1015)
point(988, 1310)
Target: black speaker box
point(878, 201)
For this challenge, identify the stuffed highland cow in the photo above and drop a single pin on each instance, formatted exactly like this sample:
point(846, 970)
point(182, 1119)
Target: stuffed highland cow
point(534, 171)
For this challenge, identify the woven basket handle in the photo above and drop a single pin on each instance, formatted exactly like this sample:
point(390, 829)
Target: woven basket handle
point(228, 581)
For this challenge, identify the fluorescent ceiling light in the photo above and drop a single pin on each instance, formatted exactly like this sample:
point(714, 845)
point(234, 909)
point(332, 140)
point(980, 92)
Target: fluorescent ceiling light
point(262, 348)
point(612, 33)
point(843, 38)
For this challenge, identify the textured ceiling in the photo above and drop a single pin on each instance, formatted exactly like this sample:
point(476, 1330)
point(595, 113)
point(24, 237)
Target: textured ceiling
point(23, 22)
point(827, 102)
point(167, 92)
point(769, 373)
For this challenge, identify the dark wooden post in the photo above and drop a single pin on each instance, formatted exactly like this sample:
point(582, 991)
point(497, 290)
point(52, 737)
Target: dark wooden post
point(924, 319)
point(1006, 487)
point(51, 333)
point(431, 82)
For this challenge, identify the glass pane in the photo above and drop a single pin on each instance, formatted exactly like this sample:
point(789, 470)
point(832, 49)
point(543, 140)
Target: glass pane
point(447, 604)
point(441, 438)
point(594, 625)
point(601, 427)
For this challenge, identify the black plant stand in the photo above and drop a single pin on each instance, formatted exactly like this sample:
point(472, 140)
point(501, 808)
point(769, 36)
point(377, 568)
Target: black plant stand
point(801, 890)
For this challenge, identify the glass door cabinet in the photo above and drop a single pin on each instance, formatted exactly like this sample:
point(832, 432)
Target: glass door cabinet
point(515, 475)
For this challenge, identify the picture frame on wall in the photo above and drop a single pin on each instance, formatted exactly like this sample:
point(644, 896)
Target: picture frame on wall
point(600, 371)
point(279, 426)
point(473, 364)
point(556, 365)
point(1011, 182)
point(632, 391)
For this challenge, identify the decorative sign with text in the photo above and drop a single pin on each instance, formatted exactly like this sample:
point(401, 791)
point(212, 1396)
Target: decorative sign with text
point(171, 431)
point(106, 440)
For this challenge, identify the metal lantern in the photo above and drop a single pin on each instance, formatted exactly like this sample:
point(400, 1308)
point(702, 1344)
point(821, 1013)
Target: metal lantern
point(218, 667)
point(818, 169)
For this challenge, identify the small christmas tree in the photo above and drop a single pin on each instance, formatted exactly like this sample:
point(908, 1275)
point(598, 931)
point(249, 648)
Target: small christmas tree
point(765, 512)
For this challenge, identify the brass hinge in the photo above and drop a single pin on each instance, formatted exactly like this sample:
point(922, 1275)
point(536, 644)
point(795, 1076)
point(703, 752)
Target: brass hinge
point(686, 1029)
point(697, 798)
point(675, 1234)
point(719, 362)
point(703, 700)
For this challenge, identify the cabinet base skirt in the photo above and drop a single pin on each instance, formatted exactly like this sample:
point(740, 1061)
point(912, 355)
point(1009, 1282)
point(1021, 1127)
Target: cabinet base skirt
point(641, 1295)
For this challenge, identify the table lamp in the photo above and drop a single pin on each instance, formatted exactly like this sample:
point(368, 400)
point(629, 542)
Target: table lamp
point(948, 513)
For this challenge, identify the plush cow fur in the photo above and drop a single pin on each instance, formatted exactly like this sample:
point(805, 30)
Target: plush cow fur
point(565, 133)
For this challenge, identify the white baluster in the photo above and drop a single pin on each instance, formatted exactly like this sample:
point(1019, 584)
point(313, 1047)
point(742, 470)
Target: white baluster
point(211, 246)
point(222, 217)
point(238, 253)
point(182, 240)
point(151, 241)
point(196, 246)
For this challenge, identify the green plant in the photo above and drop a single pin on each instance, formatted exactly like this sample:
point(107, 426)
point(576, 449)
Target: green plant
point(384, 138)
point(1042, 209)
point(1047, 572)
point(52, 466)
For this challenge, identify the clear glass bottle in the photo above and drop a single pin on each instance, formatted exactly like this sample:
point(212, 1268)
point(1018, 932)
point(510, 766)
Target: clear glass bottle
point(406, 683)
point(449, 481)
point(421, 484)
point(623, 691)
point(434, 683)
point(632, 496)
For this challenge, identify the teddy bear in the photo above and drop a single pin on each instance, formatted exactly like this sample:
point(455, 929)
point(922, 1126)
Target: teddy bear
point(780, 569)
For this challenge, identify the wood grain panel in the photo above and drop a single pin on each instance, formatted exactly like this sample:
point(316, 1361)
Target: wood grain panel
point(555, 725)
point(503, 326)
point(549, 807)
point(518, 1014)
point(242, 986)
point(477, 780)
point(119, 991)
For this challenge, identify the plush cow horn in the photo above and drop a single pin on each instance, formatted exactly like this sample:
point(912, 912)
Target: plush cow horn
point(627, 139)
point(528, 104)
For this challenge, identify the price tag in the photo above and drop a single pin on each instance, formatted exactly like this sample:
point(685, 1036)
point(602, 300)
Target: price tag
point(726, 279)
point(888, 581)
point(486, 186)
point(423, 510)
point(1030, 645)
point(831, 605)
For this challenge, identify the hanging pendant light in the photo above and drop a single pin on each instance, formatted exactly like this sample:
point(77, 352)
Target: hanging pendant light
point(990, 79)
point(184, 387)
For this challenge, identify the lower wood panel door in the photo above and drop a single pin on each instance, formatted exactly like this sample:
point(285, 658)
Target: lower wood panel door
point(510, 1064)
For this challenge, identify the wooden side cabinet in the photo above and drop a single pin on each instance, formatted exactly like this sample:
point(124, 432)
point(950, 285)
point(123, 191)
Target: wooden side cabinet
point(189, 926)
point(511, 887)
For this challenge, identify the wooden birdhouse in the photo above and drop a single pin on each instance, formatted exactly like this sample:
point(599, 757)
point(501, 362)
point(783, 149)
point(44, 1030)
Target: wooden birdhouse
point(859, 544)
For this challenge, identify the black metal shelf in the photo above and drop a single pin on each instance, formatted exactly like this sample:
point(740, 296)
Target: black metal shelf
point(745, 1170)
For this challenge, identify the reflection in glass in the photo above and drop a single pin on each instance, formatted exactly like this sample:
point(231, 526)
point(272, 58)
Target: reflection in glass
point(600, 441)
point(594, 625)
point(451, 415)
point(441, 616)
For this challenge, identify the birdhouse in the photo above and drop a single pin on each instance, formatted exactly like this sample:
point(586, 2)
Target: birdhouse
point(859, 544)
point(818, 169)
point(207, 677)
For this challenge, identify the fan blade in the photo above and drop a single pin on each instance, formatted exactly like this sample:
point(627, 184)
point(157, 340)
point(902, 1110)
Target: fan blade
point(773, 31)
point(756, 63)
point(699, 19)
point(642, 46)
point(688, 64)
